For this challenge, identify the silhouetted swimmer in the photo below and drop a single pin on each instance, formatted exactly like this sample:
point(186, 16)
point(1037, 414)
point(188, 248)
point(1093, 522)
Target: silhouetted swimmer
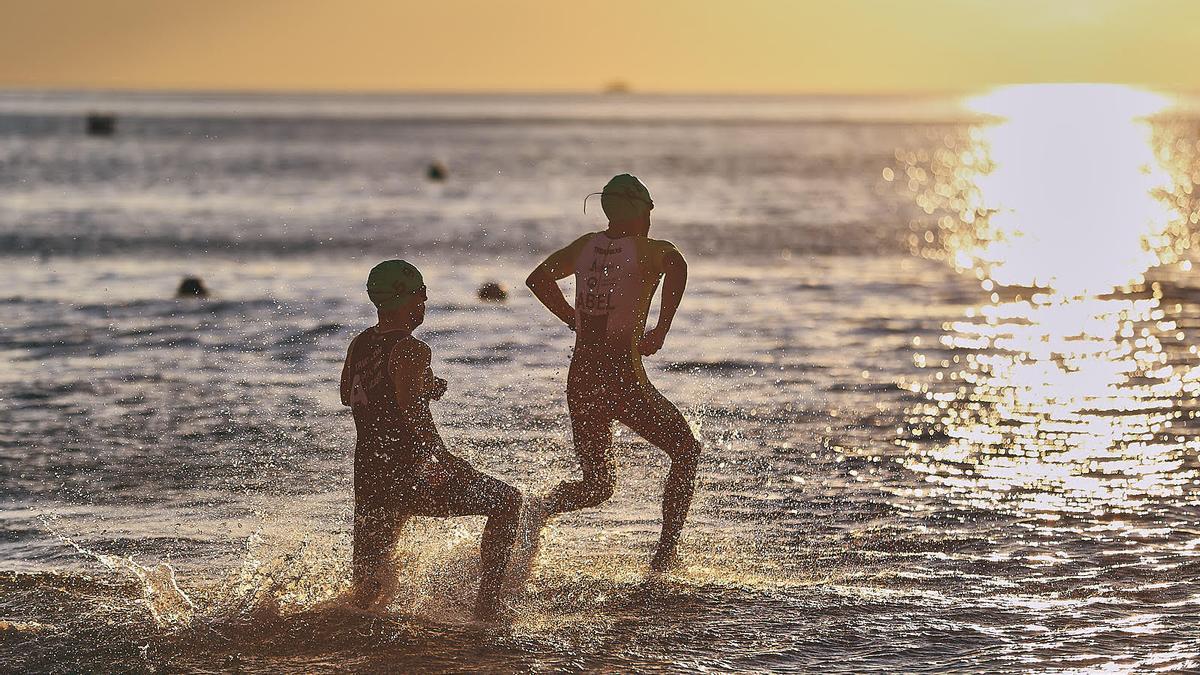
point(101, 124)
point(401, 466)
point(437, 171)
point(191, 287)
point(617, 272)
point(493, 291)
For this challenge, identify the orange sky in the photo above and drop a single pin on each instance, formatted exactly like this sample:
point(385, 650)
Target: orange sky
point(539, 45)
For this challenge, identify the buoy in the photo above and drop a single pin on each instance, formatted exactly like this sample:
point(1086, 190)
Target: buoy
point(437, 171)
point(191, 287)
point(101, 124)
point(493, 291)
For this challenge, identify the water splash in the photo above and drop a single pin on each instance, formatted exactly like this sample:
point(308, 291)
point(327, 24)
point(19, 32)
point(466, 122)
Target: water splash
point(166, 602)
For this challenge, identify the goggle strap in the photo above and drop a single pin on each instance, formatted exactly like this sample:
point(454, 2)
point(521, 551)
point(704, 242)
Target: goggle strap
point(614, 194)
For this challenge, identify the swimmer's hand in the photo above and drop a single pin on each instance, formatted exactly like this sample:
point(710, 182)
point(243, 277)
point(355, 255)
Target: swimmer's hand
point(568, 319)
point(437, 388)
point(652, 341)
point(432, 387)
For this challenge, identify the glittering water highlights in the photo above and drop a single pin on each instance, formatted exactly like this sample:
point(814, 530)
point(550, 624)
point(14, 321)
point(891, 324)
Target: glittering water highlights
point(1066, 400)
point(942, 360)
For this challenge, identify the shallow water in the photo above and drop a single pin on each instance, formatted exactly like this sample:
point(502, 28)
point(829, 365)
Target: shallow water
point(920, 455)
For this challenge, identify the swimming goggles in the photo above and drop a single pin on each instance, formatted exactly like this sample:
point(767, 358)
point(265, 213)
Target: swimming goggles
point(647, 202)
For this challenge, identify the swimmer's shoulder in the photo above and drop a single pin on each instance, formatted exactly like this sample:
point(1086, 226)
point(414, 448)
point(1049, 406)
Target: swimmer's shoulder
point(411, 351)
point(662, 245)
point(659, 253)
point(354, 341)
point(575, 248)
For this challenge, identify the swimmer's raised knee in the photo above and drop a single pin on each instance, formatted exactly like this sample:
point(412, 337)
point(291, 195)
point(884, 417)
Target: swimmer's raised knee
point(579, 494)
point(595, 494)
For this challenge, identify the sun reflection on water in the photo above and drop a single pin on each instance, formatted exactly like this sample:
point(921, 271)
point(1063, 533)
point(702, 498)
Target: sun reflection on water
point(1068, 389)
point(1072, 172)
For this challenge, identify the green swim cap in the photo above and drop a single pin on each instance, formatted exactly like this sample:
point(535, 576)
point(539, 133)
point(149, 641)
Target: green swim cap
point(392, 283)
point(628, 185)
point(624, 197)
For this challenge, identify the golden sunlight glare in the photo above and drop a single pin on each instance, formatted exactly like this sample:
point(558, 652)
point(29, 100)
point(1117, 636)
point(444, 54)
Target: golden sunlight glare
point(1071, 168)
point(1059, 383)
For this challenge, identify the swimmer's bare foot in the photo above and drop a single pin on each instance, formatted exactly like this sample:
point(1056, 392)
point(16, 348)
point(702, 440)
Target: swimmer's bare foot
point(665, 559)
point(489, 609)
point(370, 595)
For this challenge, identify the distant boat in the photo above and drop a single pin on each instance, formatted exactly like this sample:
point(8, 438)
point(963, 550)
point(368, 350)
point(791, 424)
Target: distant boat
point(436, 171)
point(617, 87)
point(101, 124)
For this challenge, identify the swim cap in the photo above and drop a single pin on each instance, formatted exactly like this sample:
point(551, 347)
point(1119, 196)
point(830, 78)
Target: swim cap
point(392, 283)
point(625, 195)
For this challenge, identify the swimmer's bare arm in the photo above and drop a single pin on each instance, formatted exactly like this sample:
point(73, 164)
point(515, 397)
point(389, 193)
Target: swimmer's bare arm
point(347, 383)
point(413, 375)
point(435, 387)
point(415, 386)
point(674, 283)
point(543, 281)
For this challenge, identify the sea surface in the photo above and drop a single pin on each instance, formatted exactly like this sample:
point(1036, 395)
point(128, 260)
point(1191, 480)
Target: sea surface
point(941, 353)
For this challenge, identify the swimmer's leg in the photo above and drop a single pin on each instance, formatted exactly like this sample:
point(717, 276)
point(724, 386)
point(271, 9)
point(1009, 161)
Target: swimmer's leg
point(591, 428)
point(657, 420)
point(470, 492)
point(494, 548)
point(373, 571)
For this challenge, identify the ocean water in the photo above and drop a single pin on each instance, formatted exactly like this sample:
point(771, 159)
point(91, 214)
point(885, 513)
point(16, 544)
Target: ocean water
point(941, 355)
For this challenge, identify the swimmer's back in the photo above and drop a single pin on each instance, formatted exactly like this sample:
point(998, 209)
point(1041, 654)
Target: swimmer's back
point(615, 280)
point(384, 425)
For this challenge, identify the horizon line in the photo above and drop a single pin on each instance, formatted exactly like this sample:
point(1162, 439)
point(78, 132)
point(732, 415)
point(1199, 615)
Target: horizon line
point(598, 92)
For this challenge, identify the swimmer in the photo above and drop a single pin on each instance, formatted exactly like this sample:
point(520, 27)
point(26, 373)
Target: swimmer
point(401, 466)
point(617, 272)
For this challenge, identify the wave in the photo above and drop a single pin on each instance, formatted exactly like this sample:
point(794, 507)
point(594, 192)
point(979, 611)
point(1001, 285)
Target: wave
point(286, 605)
point(788, 240)
point(722, 366)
